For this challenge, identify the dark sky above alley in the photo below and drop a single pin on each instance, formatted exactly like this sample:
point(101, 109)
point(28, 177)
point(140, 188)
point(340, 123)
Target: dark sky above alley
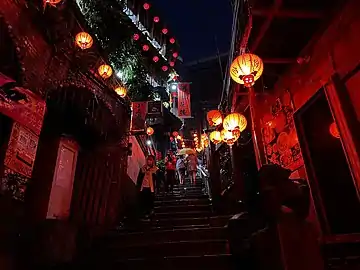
point(196, 24)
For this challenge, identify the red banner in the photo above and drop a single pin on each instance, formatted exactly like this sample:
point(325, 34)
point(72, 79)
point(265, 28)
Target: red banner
point(138, 116)
point(184, 104)
point(24, 107)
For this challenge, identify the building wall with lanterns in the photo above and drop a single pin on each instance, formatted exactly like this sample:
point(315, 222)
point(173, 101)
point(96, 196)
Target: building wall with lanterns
point(333, 56)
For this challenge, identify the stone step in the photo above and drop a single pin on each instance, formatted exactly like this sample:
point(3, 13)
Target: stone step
point(218, 221)
point(209, 262)
point(182, 201)
point(178, 196)
point(187, 214)
point(181, 208)
point(152, 237)
point(165, 249)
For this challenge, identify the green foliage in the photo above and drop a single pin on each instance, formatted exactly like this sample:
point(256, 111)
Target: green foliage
point(114, 31)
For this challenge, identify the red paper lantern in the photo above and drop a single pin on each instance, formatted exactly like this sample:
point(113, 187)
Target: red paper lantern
point(175, 133)
point(136, 37)
point(172, 64)
point(149, 131)
point(165, 31)
point(156, 19)
point(172, 40)
point(145, 48)
point(155, 58)
point(175, 54)
point(214, 117)
point(146, 6)
point(164, 68)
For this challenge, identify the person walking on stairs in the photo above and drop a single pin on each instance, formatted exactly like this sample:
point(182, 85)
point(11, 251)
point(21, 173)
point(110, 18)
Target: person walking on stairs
point(180, 167)
point(170, 166)
point(192, 167)
point(145, 183)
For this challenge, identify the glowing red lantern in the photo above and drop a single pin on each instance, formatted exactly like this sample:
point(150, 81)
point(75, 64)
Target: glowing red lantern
point(105, 71)
point(145, 48)
point(172, 40)
point(175, 54)
point(334, 130)
point(172, 64)
point(136, 37)
point(146, 6)
point(83, 40)
point(175, 133)
point(149, 131)
point(155, 58)
point(156, 19)
point(214, 118)
point(51, 2)
point(165, 31)
point(164, 68)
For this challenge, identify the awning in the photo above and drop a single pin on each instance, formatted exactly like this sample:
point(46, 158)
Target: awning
point(5, 80)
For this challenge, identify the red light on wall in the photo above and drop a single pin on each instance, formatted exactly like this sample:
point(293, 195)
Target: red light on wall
point(155, 59)
point(156, 19)
point(145, 48)
point(172, 40)
point(136, 36)
point(164, 68)
point(175, 54)
point(334, 130)
point(165, 31)
point(172, 64)
point(146, 6)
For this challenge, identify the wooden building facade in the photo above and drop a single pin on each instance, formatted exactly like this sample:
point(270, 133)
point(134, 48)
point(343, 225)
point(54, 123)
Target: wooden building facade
point(68, 175)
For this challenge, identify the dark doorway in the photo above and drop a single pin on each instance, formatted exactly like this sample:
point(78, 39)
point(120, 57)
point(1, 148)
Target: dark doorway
point(5, 130)
point(334, 192)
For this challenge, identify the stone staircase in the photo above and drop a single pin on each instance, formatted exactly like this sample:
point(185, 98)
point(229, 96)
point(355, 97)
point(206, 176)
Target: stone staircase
point(183, 233)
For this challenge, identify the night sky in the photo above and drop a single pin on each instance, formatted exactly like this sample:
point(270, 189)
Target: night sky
point(196, 23)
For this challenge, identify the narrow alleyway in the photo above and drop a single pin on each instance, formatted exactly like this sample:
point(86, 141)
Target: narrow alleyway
point(183, 234)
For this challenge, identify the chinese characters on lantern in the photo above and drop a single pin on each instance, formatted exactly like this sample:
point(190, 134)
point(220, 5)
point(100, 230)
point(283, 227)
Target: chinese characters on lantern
point(184, 104)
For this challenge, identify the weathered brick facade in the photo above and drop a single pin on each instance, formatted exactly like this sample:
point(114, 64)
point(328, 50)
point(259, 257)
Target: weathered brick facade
point(50, 65)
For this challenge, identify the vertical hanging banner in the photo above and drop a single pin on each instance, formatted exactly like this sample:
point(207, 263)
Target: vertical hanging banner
point(138, 116)
point(184, 104)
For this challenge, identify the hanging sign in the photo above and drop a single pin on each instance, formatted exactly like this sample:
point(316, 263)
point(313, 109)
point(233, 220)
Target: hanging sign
point(154, 109)
point(24, 107)
point(184, 104)
point(138, 116)
point(21, 152)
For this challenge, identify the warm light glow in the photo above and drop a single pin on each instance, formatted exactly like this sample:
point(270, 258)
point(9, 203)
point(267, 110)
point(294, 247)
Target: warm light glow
point(235, 121)
point(215, 137)
point(83, 40)
point(105, 71)
point(52, 2)
point(334, 131)
point(155, 58)
point(136, 36)
point(164, 68)
point(149, 131)
point(195, 134)
point(175, 55)
point(228, 137)
point(179, 137)
point(172, 64)
point(246, 69)
point(145, 48)
point(175, 134)
point(165, 31)
point(156, 19)
point(146, 6)
point(172, 40)
point(121, 91)
point(214, 117)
